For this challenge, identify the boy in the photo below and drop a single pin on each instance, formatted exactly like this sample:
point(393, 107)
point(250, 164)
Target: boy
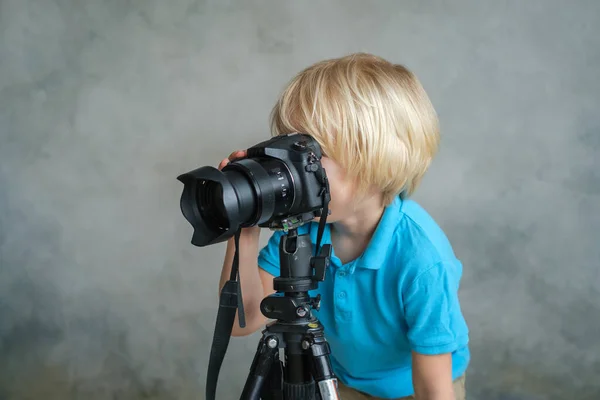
point(389, 304)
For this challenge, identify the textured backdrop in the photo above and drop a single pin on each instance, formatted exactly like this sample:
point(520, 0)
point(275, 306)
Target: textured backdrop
point(104, 103)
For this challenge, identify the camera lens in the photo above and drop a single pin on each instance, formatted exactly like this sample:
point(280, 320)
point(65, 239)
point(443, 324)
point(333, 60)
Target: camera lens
point(279, 185)
point(244, 193)
point(244, 198)
point(263, 188)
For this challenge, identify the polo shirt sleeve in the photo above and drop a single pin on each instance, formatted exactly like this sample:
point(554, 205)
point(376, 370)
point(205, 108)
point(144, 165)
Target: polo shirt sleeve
point(434, 317)
point(268, 256)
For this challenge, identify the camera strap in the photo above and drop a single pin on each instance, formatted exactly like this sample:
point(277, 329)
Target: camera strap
point(326, 197)
point(230, 301)
point(322, 223)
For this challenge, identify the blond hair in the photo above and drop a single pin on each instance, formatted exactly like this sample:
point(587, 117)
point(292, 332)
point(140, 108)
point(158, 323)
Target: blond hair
point(370, 116)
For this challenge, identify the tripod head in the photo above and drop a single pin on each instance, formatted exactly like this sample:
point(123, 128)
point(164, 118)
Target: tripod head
point(300, 272)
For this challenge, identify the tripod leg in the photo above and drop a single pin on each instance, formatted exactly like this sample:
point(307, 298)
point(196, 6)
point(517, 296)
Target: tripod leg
point(323, 373)
point(260, 368)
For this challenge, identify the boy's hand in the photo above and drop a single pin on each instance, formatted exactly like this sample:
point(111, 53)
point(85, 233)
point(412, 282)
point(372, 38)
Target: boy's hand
point(252, 232)
point(233, 156)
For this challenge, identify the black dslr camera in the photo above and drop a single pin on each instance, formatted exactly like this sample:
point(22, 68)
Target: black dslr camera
point(279, 185)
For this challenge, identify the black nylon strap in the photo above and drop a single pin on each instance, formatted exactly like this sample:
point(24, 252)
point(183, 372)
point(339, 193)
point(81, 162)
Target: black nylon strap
point(235, 274)
point(323, 219)
point(230, 301)
point(322, 223)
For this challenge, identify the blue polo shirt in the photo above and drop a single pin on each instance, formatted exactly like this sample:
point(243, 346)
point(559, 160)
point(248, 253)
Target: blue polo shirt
point(399, 295)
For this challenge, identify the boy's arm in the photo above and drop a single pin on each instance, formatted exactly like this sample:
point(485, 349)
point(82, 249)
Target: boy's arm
point(436, 328)
point(432, 376)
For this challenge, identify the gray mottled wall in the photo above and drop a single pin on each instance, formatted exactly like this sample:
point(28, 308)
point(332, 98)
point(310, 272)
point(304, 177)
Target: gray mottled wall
point(104, 103)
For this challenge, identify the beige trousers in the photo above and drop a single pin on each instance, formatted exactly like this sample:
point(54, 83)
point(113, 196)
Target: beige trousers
point(347, 393)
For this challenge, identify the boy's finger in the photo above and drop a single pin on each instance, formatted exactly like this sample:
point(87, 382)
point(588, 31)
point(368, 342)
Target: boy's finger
point(223, 163)
point(237, 154)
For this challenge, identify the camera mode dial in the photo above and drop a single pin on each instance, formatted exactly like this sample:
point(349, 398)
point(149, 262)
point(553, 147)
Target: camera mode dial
point(299, 145)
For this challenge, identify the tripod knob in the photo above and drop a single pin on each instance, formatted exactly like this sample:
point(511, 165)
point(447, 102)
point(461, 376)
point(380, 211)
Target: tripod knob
point(315, 302)
point(301, 311)
point(272, 342)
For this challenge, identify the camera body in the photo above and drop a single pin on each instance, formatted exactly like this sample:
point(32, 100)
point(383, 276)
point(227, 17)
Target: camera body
point(279, 185)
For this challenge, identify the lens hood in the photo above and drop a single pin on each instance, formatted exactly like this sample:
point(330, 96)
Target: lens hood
point(194, 182)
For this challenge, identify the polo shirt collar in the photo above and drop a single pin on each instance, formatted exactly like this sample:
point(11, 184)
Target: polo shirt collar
point(375, 254)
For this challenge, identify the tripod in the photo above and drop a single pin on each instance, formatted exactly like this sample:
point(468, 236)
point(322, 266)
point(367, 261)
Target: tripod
point(292, 358)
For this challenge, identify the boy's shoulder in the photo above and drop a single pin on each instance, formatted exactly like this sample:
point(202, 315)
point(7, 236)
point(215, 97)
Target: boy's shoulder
point(414, 242)
point(416, 227)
